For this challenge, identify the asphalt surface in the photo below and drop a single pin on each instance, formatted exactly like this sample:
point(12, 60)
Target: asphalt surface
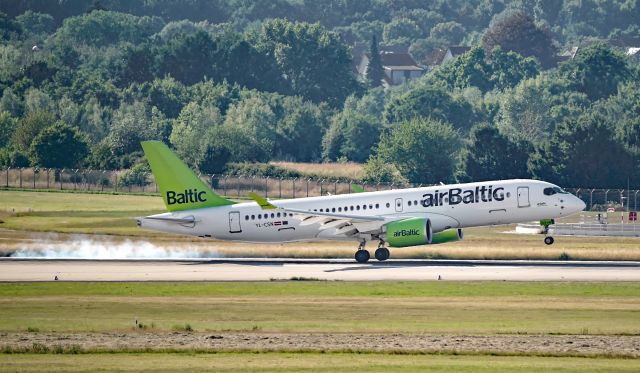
point(20, 269)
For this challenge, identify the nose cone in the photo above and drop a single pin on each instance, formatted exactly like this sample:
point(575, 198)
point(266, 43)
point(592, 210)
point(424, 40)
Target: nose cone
point(578, 204)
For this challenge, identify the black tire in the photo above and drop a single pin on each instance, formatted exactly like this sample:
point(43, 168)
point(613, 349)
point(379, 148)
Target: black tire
point(548, 240)
point(362, 256)
point(382, 254)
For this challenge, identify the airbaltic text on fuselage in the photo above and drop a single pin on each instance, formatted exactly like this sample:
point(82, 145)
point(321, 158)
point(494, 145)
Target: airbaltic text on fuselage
point(455, 196)
point(188, 196)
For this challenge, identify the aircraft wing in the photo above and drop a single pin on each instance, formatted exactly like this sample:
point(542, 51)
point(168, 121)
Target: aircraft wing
point(343, 224)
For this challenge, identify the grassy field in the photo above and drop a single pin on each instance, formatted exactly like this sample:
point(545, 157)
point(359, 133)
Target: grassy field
point(408, 307)
point(306, 362)
point(330, 170)
point(23, 212)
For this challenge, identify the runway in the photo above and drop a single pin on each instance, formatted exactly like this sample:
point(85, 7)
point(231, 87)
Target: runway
point(320, 269)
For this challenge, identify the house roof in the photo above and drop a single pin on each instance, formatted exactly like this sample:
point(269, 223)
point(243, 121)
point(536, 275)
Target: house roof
point(459, 49)
point(397, 59)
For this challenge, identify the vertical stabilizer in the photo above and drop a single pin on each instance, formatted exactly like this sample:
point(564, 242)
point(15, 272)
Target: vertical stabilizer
point(180, 187)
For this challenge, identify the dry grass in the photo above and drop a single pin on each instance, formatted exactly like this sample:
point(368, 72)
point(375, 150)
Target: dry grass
point(348, 170)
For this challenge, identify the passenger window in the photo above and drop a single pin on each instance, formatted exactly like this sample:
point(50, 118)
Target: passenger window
point(388, 204)
point(377, 205)
point(259, 216)
point(358, 207)
point(273, 215)
point(253, 217)
point(351, 208)
point(246, 217)
point(364, 207)
point(370, 206)
point(409, 203)
point(333, 209)
point(339, 209)
point(415, 202)
point(278, 214)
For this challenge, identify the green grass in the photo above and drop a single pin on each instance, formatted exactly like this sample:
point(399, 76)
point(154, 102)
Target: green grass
point(76, 212)
point(306, 362)
point(333, 289)
point(440, 307)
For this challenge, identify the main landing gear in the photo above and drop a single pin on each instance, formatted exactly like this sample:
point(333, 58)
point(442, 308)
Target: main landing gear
point(363, 256)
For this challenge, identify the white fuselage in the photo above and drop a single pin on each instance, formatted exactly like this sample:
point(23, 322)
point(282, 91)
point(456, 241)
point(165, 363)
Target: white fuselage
point(473, 204)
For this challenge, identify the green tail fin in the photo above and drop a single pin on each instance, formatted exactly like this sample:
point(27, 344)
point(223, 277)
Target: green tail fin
point(180, 187)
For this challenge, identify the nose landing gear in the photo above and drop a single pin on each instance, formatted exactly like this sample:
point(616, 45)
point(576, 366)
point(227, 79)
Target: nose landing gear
point(548, 240)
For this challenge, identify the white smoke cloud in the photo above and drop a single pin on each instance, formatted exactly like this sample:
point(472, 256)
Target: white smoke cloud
point(89, 248)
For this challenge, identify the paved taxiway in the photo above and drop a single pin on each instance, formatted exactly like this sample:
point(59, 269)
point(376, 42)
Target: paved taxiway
point(338, 269)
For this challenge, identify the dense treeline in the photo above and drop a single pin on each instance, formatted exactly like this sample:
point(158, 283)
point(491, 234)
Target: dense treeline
point(252, 81)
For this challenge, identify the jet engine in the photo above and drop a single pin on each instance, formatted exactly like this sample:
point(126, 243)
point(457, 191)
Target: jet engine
point(409, 232)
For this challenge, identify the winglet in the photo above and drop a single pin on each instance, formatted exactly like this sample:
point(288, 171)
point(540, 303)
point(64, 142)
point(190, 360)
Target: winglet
point(262, 202)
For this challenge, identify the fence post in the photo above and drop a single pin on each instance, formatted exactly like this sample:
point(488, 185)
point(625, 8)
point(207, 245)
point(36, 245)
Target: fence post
point(294, 186)
point(60, 178)
point(35, 171)
point(635, 200)
point(266, 187)
point(309, 179)
point(20, 177)
point(7, 180)
point(321, 181)
point(115, 183)
point(280, 188)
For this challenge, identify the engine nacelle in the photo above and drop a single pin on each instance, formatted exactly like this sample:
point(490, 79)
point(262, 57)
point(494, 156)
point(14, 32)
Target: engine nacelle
point(450, 235)
point(409, 232)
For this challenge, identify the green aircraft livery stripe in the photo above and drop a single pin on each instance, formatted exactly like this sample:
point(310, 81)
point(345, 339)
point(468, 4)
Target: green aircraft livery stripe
point(180, 187)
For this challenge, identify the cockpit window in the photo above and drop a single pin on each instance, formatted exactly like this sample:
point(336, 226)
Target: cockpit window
point(554, 190)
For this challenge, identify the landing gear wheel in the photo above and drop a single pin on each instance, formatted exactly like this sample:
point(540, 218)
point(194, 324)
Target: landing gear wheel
point(382, 254)
point(362, 256)
point(548, 240)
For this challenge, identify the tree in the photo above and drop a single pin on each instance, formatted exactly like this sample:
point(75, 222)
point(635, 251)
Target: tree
point(596, 71)
point(314, 63)
point(448, 33)
point(400, 30)
point(429, 101)
point(509, 68)
point(423, 150)
point(189, 129)
point(58, 146)
point(7, 126)
point(299, 131)
point(37, 24)
point(132, 124)
point(489, 155)
point(532, 110)
point(189, 58)
point(518, 32)
point(377, 170)
point(583, 152)
point(30, 126)
point(375, 71)
point(100, 28)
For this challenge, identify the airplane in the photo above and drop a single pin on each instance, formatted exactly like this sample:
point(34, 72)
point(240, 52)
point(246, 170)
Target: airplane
point(395, 218)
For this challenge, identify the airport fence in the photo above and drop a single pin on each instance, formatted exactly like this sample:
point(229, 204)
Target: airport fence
point(239, 186)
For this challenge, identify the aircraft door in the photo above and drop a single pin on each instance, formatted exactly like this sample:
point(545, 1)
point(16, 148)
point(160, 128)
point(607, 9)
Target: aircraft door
point(398, 204)
point(523, 197)
point(234, 222)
